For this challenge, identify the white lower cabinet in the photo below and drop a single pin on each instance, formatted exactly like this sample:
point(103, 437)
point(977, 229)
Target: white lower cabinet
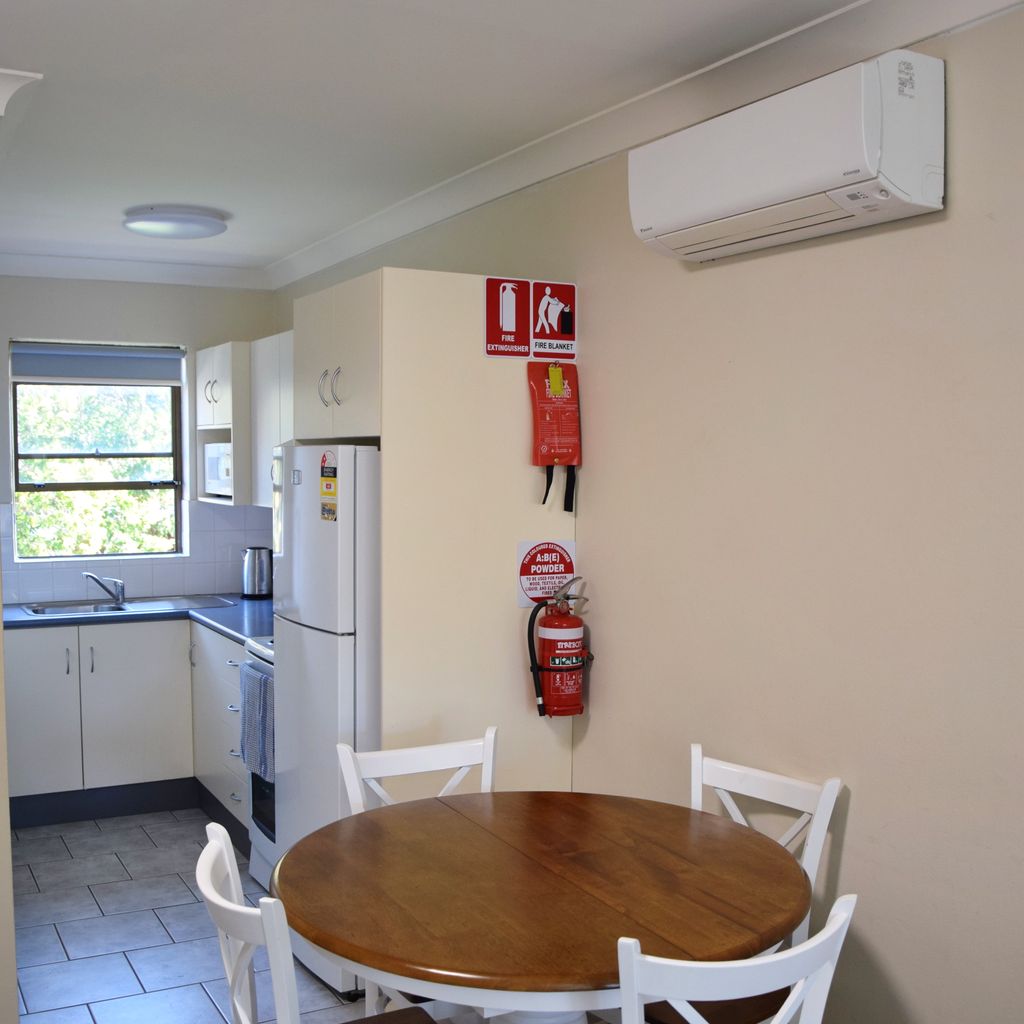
point(91, 706)
point(136, 702)
point(44, 710)
point(216, 721)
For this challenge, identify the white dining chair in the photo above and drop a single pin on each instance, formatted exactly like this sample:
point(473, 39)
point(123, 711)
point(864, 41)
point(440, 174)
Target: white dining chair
point(814, 802)
point(364, 769)
point(694, 988)
point(241, 929)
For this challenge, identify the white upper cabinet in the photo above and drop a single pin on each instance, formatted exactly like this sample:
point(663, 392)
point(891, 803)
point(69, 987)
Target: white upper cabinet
point(337, 360)
point(222, 405)
point(213, 386)
point(272, 408)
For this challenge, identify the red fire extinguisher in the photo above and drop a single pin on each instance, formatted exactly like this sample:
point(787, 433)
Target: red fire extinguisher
point(558, 666)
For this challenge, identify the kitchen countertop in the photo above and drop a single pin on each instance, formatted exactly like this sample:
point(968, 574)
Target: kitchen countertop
point(244, 619)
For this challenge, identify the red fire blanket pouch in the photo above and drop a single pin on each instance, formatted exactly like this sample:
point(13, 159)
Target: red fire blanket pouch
point(555, 398)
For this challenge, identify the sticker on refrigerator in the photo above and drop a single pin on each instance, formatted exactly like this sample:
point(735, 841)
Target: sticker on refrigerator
point(329, 486)
point(544, 567)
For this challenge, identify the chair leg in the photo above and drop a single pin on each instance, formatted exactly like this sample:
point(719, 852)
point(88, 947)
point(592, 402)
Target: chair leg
point(375, 999)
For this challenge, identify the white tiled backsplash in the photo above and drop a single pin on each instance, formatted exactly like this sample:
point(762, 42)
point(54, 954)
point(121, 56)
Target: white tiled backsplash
point(216, 537)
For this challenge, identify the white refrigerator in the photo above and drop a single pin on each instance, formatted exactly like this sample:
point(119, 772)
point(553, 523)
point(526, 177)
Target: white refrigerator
point(326, 627)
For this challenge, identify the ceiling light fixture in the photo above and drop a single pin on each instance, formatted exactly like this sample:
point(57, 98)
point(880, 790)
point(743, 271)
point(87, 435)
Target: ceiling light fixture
point(11, 82)
point(166, 221)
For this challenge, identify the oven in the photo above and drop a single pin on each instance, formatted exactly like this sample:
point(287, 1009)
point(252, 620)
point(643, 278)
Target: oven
point(262, 822)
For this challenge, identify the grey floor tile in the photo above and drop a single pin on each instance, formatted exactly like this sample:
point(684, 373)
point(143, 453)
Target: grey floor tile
point(188, 1005)
point(68, 1015)
point(132, 820)
point(38, 945)
point(145, 894)
point(77, 981)
point(49, 907)
point(23, 880)
point(249, 884)
point(64, 828)
point(21, 1004)
point(63, 874)
point(184, 963)
point(191, 814)
point(187, 922)
point(166, 861)
point(178, 833)
point(312, 995)
point(340, 1014)
point(110, 841)
point(38, 851)
point(189, 878)
point(113, 934)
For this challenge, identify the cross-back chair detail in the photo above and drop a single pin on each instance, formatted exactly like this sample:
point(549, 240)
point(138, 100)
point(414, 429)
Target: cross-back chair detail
point(364, 769)
point(806, 970)
point(241, 929)
point(805, 838)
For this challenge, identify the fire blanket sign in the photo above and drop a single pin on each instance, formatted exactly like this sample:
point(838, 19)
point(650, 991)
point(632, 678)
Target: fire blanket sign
point(529, 318)
point(554, 320)
point(544, 567)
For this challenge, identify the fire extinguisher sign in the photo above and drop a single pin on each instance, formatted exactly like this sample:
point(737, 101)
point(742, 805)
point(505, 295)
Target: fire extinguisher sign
point(507, 318)
point(544, 567)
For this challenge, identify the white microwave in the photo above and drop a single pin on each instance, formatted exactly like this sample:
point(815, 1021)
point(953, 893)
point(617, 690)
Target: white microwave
point(217, 458)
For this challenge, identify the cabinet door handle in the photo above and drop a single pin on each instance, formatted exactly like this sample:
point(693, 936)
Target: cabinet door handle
point(320, 388)
point(206, 391)
point(236, 798)
point(191, 653)
point(233, 664)
point(92, 659)
point(67, 661)
point(235, 753)
point(334, 386)
point(233, 707)
point(213, 393)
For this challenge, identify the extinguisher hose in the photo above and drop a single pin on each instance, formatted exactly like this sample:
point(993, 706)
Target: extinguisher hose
point(532, 647)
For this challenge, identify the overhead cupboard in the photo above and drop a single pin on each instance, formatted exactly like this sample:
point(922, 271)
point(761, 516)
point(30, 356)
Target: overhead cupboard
point(223, 436)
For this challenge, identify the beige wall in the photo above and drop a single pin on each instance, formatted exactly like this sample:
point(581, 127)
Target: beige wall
point(801, 519)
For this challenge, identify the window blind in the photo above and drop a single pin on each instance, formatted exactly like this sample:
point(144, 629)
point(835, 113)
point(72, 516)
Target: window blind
point(34, 360)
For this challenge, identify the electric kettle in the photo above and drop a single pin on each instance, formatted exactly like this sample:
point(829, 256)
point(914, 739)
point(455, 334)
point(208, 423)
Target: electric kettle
point(256, 575)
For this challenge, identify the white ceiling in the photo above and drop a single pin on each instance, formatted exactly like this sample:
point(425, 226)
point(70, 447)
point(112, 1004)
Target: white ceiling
point(304, 121)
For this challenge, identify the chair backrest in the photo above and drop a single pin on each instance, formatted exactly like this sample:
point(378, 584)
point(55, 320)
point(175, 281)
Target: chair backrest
point(367, 768)
point(814, 801)
point(242, 928)
point(805, 969)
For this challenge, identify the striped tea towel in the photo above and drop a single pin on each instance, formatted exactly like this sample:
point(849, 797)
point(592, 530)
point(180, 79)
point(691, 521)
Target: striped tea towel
point(258, 721)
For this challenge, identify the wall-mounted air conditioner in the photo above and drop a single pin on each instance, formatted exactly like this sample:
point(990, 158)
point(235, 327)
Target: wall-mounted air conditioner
point(854, 148)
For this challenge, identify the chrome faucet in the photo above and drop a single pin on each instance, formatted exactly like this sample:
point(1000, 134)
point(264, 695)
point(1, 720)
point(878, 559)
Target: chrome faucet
point(116, 591)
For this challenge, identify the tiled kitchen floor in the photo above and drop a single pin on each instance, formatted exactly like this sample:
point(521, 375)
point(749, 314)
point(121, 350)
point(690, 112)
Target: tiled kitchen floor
point(111, 930)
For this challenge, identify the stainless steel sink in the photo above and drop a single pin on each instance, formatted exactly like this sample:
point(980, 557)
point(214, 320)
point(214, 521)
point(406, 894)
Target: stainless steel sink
point(74, 608)
point(141, 604)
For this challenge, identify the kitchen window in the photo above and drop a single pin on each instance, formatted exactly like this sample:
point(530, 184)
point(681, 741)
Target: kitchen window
point(97, 450)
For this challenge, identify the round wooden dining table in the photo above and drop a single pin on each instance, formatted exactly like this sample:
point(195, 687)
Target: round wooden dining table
point(515, 901)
